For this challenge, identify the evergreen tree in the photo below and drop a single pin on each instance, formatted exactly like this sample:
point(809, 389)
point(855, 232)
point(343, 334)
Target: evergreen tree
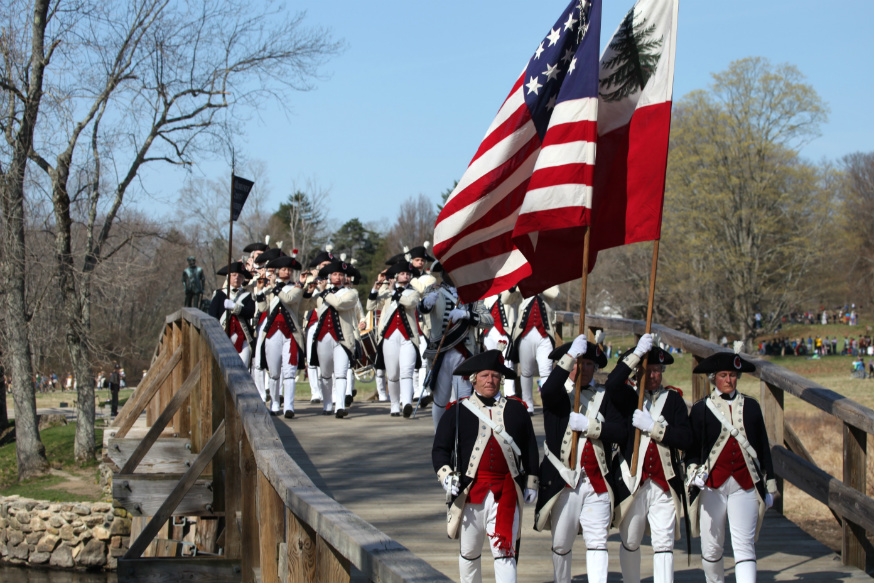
point(634, 62)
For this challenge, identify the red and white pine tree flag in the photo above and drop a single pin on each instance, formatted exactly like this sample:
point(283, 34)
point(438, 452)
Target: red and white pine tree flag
point(634, 122)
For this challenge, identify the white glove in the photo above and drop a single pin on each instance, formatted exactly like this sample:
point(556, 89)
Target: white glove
point(699, 479)
point(450, 485)
point(530, 496)
point(578, 422)
point(642, 420)
point(579, 346)
point(430, 300)
point(644, 345)
point(458, 314)
point(229, 304)
point(769, 500)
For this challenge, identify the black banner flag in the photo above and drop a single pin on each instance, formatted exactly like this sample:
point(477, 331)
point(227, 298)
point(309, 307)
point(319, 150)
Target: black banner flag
point(241, 189)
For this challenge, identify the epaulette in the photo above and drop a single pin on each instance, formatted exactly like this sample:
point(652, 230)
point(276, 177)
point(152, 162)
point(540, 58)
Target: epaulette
point(515, 398)
point(672, 388)
point(451, 403)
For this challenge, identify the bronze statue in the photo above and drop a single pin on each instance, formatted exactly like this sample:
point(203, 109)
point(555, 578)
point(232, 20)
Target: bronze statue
point(194, 282)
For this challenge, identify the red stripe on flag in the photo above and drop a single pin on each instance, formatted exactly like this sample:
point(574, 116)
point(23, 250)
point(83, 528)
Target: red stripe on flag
point(491, 287)
point(581, 131)
point(561, 175)
point(519, 118)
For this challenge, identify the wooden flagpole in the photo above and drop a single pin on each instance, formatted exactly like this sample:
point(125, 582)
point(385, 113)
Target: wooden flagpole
point(641, 377)
point(230, 253)
point(576, 434)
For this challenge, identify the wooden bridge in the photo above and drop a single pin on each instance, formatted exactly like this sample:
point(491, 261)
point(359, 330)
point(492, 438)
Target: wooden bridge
point(222, 491)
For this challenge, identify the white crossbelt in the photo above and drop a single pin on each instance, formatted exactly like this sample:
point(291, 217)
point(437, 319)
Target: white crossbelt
point(496, 429)
point(741, 439)
point(571, 477)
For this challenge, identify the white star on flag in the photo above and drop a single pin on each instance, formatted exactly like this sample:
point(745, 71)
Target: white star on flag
point(551, 103)
point(567, 56)
point(551, 72)
point(573, 66)
point(570, 21)
point(553, 36)
point(533, 86)
point(538, 51)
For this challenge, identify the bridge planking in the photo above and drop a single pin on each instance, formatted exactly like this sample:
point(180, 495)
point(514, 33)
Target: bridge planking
point(379, 467)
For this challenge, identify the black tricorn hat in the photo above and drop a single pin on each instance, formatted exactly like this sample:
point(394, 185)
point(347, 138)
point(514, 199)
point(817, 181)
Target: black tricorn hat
point(268, 255)
point(656, 356)
point(420, 252)
point(437, 267)
point(284, 261)
point(724, 361)
point(256, 247)
point(488, 360)
point(593, 353)
point(236, 267)
point(401, 267)
point(334, 267)
point(323, 256)
point(396, 258)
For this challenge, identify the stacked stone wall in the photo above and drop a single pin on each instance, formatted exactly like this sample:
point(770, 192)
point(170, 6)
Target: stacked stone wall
point(68, 535)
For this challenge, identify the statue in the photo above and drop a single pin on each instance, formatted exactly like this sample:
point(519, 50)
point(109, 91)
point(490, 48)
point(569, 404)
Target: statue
point(194, 282)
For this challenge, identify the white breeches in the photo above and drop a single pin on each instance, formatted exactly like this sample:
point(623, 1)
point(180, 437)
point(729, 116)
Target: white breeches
point(333, 364)
point(245, 353)
point(400, 361)
point(380, 386)
point(534, 352)
point(312, 371)
point(477, 521)
point(575, 508)
point(741, 507)
point(277, 350)
point(448, 386)
point(653, 506)
point(422, 373)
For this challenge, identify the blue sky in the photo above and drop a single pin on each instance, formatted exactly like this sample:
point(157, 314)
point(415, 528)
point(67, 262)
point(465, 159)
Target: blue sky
point(403, 109)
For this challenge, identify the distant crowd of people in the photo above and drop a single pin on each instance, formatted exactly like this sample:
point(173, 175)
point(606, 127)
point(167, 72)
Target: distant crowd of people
point(818, 346)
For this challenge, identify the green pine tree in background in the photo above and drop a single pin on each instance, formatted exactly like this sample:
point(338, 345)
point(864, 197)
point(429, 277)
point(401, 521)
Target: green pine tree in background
point(634, 62)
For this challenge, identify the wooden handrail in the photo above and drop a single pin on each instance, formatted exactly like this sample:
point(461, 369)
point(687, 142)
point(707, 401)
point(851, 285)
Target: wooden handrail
point(253, 477)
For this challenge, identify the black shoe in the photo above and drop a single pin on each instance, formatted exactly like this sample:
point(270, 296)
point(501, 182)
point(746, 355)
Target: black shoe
point(274, 413)
point(425, 401)
point(408, 410)
point(340, 413)
point(348, 400)
point(289, 414)
point(315, 401)
point(326, 413)
point(395, 414)
point(354, 392)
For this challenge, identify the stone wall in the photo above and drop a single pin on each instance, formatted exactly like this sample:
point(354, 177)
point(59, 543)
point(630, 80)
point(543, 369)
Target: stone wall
point(70, 535)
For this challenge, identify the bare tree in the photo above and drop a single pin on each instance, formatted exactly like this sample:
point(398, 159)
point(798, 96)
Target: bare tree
point(130, 84)
point(414, 224)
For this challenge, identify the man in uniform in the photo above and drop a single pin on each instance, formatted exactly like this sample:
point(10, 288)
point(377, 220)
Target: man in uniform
point(532, 341)
point(655, 494)
point(580, 499)
point(335, 335)
point(455, 325)
point(398, 334)
point(485, 456)
point(194, 283)
point(241, 306)
point(502, 308)
point(316, 264)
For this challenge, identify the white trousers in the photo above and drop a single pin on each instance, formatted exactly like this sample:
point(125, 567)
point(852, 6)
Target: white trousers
point(422, 373)
point(448, 386)
point(277, 350)
point(399, 354)
point(654, 506)
point(534, 352)
point(477, 521)
point(245, 353)
point(333, 364)
point(494, 340)
point(575, 508)
point(312, 371)
point(259, 375)
point(380, 385)
point(741, 507)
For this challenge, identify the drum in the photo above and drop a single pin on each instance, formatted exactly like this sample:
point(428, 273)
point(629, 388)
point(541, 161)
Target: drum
point(363, 367)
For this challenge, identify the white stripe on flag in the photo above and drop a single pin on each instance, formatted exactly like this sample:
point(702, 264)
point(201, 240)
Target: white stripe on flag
point(585, 109)
point(569, 153)
point(488, 269)
point(514, 101)
point(556, 197)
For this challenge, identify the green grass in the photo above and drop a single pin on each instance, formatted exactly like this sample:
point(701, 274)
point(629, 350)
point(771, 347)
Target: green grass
point(58, 442)
point(48, 488)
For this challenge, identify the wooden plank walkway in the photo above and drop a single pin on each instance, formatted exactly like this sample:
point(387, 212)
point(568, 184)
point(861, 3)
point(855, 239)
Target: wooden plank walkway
point(380, 468)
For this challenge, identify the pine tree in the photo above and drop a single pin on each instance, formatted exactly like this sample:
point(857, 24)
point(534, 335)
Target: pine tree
point(634, 62)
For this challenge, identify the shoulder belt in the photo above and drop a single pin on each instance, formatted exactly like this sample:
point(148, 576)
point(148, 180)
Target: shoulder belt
point(498, 430)
point(740, 437)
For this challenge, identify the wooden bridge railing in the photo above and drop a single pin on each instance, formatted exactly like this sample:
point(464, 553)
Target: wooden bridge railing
point(209, 449)
point(847, 497)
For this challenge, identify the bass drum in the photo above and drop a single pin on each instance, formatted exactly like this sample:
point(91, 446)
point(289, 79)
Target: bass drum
point(364, 370)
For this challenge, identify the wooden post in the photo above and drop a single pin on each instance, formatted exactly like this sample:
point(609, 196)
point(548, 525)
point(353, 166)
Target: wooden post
point(232, 475)
point(182, 419)
point(331, 566)
point(213, 411)
point(700, 384)
point(271, 528)
point(196, 348)
point(772, 409)
point(855, 472)
point(301, 548)
point(250, 536)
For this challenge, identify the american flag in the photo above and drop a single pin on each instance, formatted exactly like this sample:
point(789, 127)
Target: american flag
point(527, 193)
